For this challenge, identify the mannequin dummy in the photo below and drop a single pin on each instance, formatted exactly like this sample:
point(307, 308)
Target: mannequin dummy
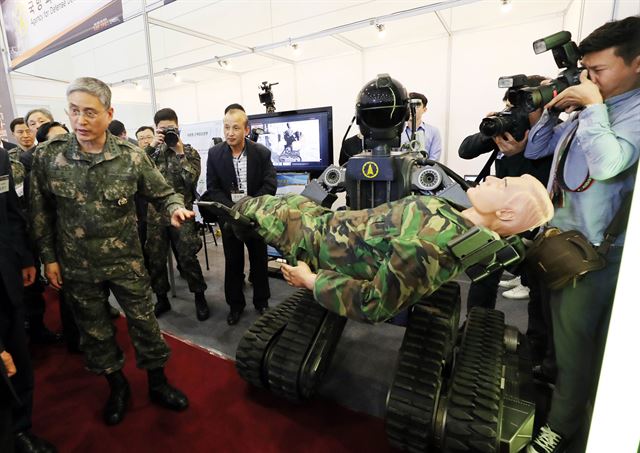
point(370, 264)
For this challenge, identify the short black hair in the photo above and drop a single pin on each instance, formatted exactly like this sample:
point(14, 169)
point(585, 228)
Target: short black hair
point(144, 128)
point(15, 122)
point(166, 114)
point(623, 34)
point(422, 97)
point(233, 107)
point(116, 127)
point(43, 130)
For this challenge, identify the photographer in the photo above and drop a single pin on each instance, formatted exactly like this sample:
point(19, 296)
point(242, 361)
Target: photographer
point(599, 148)
point(180, 166)
point(510, 161)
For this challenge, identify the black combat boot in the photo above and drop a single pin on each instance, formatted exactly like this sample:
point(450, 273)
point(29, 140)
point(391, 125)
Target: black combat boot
point(164, 394)
point(202, 310)
point(162, 306)
point(118, 400)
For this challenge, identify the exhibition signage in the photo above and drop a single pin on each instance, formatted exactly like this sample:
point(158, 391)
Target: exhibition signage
point(6, 105)
point(36, 28)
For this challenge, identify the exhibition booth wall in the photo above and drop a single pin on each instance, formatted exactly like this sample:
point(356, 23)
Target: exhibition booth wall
point(456, 67)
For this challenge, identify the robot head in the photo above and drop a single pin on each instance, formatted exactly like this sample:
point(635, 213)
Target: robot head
point(382, 108)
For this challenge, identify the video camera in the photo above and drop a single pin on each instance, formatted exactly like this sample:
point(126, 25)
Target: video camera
point(266, 96)
point(526, 99)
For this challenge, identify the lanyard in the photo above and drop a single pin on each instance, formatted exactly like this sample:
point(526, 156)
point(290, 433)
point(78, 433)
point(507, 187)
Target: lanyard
point(236, 162)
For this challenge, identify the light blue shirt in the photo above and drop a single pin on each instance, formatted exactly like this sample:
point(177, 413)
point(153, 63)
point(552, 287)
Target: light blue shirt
point(429, 138)
point(605, 146)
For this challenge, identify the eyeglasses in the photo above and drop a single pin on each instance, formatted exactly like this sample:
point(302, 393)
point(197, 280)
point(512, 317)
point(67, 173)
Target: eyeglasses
point(88, 113)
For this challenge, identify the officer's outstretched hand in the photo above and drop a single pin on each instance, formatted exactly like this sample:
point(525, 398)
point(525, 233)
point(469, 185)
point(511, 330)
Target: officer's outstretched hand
point(53, 274)
point(180, 216)
point(299, 276)
point(7, 360)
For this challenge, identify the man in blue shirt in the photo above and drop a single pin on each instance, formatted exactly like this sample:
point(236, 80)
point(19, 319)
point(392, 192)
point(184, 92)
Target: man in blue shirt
point(602, 144)
point(427, 136)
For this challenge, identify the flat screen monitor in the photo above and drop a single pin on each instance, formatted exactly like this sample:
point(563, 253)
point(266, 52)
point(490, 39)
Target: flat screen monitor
point(299, 140)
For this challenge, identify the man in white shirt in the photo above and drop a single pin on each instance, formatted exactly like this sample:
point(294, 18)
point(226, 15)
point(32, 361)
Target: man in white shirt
point(427, 135)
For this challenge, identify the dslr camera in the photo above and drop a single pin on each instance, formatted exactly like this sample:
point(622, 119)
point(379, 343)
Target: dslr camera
point(171, 136)
point(566, 54)
point(514, 119)
point(526, 99)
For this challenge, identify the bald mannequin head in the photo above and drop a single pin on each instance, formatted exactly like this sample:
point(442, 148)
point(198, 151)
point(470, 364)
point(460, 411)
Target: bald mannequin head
point(509, 205)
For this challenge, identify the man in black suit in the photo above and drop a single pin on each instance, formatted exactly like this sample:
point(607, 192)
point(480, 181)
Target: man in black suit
point(16, 375)
point(236, 168)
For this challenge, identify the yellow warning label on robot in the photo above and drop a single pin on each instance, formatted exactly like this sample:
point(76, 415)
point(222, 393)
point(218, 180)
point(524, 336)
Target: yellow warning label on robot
point(370, 170)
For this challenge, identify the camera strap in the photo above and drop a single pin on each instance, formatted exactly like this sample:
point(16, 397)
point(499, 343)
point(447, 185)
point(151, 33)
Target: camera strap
point(586, 183)
point(487, 167)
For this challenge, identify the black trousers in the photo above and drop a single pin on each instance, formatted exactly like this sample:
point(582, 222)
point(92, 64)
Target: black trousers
point(14, 338)
point(234, 270)
point(484, 293)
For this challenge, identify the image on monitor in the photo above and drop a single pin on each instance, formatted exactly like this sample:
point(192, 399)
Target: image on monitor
point(299, 140)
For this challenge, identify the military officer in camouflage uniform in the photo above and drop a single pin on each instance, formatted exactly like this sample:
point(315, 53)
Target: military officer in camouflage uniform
point(371, 264)
point(180, 166)
point(84, 222)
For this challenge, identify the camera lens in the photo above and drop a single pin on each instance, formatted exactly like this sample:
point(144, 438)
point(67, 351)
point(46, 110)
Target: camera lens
point(171, 137)
point(493, 125)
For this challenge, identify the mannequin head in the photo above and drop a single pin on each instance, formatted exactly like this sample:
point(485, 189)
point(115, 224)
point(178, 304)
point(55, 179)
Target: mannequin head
point(509, 205)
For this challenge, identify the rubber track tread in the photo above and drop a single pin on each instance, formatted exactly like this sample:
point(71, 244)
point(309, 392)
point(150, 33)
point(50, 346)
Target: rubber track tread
point(289, 353)
point(415, 391)
point(254, 344)
point(475, 397)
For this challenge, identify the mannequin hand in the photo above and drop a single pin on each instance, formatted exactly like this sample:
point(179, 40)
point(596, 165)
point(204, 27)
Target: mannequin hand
point(299, 276)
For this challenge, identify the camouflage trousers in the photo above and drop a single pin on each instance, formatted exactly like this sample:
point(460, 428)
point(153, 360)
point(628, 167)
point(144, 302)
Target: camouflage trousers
point(186, 244)
point(88, 302)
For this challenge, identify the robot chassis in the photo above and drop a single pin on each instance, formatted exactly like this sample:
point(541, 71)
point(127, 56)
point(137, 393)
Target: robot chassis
point(451, 393)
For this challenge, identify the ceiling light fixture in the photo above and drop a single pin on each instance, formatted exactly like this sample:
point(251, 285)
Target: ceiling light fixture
point(224, 64)
point(137, 86)
point(295, 47)
point(505, 6)
point(382, 31)
point(176, 77)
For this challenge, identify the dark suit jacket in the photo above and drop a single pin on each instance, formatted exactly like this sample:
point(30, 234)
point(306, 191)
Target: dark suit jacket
point(14, 252)
point(477, 144)
point(221, 173)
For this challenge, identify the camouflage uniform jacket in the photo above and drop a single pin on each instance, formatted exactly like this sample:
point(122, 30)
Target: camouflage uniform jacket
point(82, 207)
point(19, 172)
point(370, 264)
point(181, 173)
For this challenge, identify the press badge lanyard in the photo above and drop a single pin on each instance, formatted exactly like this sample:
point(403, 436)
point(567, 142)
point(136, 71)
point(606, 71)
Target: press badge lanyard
point(239, 193)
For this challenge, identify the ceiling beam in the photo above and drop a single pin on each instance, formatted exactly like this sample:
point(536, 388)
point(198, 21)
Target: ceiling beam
point(348, 42)
point(444, 4)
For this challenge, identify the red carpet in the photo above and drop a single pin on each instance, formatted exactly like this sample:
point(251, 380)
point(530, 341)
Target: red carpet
point(225, 415)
